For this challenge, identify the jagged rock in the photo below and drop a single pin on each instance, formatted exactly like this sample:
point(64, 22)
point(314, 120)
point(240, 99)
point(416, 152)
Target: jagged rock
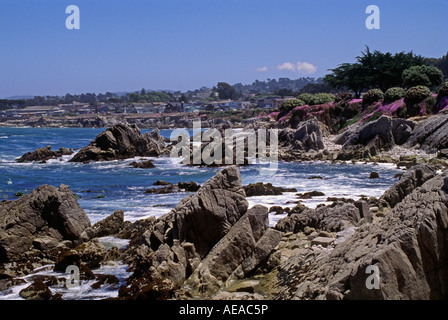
point(383, 133)
point(46, 211)
point(333, 218)
point(430, 134)
point(161, 183)
point(122, 141)
point(307, 136)
point(111, 225)
point(408, 246)
point(44, 154)
point(231, 251)
point(165, 189)
point(204, 218)
point(411, 179)
point(265, 189)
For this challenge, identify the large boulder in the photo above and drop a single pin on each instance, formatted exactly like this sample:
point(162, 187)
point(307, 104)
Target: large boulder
point(307, 136)
point(430, 134)
point(110, 225)
point(47, 212)
point(265, 189)
point(383, 133)
point(121, 141)
point(408, 247)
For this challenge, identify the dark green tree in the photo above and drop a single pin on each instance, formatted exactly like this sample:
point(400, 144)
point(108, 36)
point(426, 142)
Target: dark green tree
point(225, 90)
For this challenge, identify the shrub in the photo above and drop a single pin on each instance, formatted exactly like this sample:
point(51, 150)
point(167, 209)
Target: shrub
point(371, 96)
point(307, 98)
point(422, 76)
point(394, 94)
point(291, 104)
point(443, 91)
point(430, 104)
point(322, 98)
point(416, 94)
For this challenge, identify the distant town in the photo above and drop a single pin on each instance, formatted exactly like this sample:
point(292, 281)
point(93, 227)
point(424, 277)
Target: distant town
point(263, 95)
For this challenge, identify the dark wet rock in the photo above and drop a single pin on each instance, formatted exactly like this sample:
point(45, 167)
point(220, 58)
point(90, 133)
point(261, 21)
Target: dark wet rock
point(44, 154)
point(36, 291)
point(121, 141)
point(265, 189)
point(374, 175)
point(161, 183)
point(189, 186)
point(47, 212)
point(163, 190)
point(309, 195)
point(104, 279)
point(148, 164)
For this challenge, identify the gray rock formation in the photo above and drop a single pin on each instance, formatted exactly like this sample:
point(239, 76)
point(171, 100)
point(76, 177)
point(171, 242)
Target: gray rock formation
point(414, 177)
point(430, 134)
point(239, 252)
point(111, 225)
point(307, 136)
point(120, 142)
point(409, 247)
point(45, 212)
point(383, 133)
point(333, 218)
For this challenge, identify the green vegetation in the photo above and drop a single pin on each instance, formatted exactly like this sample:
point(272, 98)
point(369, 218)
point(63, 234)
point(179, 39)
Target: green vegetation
point(315, 99)
point(291, 104)
point(428, 76)
point(225, 90)
point(373, 70)
point(416, 94)
point(443, 91)
point(371, 96)
point(394, 94)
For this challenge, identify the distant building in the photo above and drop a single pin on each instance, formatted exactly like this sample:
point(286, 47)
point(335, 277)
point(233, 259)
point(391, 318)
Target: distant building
point(36, 111)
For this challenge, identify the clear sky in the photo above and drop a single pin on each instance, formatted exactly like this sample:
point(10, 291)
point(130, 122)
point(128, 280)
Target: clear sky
point(126, 45)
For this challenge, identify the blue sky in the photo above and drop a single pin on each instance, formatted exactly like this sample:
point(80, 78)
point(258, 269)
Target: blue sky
point(126, 45)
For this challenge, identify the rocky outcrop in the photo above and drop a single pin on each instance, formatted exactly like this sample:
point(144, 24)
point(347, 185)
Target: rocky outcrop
point(307, 136)
point(411, 179)
point(204, 218)
point(44, 154)
point(47, 212)
point(408, 246)
point(333, 218)
point(209, 237)
point(111, 225)
point(430, 134)
point(237, 253)
point(122, 141)
point(148, 164)
point(265, 189)
point(372, 137)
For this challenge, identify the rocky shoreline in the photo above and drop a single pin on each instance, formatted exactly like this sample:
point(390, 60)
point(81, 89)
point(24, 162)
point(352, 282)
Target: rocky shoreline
point(212, 246)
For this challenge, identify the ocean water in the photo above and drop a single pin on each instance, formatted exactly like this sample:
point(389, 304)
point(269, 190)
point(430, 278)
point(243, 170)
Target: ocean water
point(104, 187)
